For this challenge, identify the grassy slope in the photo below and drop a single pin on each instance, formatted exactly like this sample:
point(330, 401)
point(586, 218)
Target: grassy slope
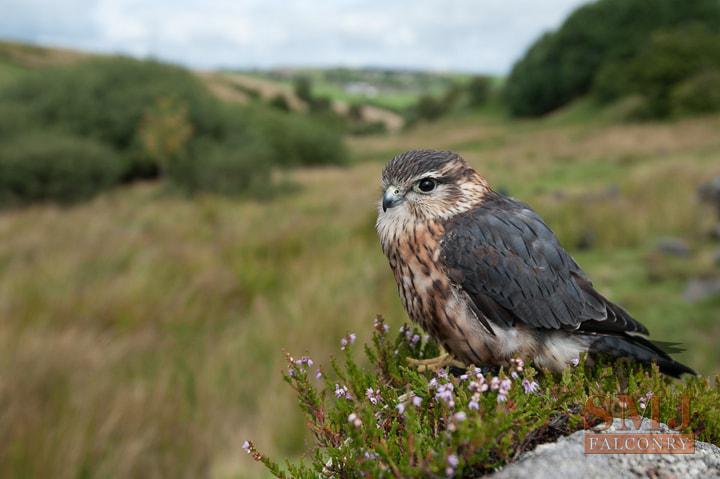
point(141, 333)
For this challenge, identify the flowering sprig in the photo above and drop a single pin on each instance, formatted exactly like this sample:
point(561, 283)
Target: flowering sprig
point(642, 402)
point(342, 392)
point(348, 340)
point(373, 395)
point(391, 420)
point(380, 326)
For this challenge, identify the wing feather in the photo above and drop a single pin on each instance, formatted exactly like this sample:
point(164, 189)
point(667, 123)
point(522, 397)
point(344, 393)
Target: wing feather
point(513, 268)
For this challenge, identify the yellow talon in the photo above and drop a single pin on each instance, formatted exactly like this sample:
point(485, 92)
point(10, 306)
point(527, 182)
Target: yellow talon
point(433, 364)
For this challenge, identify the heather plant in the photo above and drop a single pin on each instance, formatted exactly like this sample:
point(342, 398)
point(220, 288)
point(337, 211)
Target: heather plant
point(390, 420)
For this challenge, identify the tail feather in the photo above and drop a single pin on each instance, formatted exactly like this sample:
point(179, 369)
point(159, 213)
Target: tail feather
point(639, 349)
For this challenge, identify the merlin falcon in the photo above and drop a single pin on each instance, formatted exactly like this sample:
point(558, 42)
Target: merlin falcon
point(487, 278)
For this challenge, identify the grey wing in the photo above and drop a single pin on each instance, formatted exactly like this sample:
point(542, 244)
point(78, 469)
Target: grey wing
point(513, 268)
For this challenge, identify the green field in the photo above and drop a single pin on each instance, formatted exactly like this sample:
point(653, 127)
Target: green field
point(395, 90)
point(143, 332)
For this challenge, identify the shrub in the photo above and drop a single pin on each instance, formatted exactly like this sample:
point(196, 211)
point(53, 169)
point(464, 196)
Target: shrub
point(562, 65)
point(430, 108)
point(479, 90)
point(46, 165)
point(302, 86)
point(697, 94)
point(279, 102)
point(391, 421)
point(161, 119)
point(669, 58)
point(15, 118)
point(107, 98)
point(240, 167)
point(298, 140)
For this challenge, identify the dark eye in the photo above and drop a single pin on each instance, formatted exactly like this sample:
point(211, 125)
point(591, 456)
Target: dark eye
point(426, 185)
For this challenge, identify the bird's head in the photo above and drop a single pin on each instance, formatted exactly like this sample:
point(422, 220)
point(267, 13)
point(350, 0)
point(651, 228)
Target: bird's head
point(422, 185)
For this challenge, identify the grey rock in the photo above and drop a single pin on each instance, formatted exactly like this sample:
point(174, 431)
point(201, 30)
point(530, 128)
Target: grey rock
point(710, 193)
point(673, 246)
point(699, 289)
point(566, 459)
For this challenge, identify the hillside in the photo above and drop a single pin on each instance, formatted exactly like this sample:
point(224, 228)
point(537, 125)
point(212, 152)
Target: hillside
point(146, 329)
point(17, 58)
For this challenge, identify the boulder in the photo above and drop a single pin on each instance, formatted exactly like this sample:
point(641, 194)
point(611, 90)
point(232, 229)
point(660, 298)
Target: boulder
point(566, 459)
point(699, 289)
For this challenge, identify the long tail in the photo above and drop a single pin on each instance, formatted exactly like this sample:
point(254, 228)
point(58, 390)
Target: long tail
point(639, 349)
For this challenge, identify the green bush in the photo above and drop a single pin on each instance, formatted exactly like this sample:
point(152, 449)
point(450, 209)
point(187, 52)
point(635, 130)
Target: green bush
point(107, 98)
point(429, 108)
point(46, 165)
point(479, 90)
point(161, 120)
point(297, 140)
point(697, 94)
point(562, 65)
point(389, 420)
point(112, 100)
point(240, 167)
point(669, 59)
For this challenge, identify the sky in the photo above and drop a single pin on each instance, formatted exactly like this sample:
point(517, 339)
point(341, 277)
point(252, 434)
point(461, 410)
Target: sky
point(484, 36)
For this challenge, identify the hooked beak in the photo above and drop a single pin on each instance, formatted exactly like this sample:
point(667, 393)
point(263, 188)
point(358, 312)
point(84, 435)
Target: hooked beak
point(392, 198)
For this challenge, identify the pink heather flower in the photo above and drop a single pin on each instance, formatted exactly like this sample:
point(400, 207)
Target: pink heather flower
point(530, 386)
point(474, 403)
point(247, 446)
point(449, 471)
point(354, 419)
point(495, 383)
point(380, 326)
point(304, 361)
point(514, 375)
point(517, 364)
point(502, 397)
point(318, 374)
point(460, 416)
point(370, 455)
point(415, 339)
point(441, 373)
point(433, 383)
point(416, 401)
point(347, 341)
point(400, 407)
point(342, 392)
point(373, 396)
point(479, 385)
point(464, 377)
point(445, 394)
point(505, 386)
point(452, 460)
point(644, 399)
point(575, 361)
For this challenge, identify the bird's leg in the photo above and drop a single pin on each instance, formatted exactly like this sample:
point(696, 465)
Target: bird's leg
point(433, 364)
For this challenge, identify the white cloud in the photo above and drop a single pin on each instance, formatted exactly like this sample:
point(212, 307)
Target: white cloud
point(484, 35)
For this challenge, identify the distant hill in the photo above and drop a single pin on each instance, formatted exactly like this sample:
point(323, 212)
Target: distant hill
point(234, 87)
